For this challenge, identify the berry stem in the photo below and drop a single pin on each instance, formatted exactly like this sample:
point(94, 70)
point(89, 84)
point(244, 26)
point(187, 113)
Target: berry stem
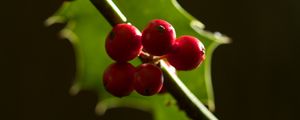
point(186, 100)
point(110, 11)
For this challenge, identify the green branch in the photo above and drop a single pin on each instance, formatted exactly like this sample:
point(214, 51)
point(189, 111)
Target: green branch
point(186, 100)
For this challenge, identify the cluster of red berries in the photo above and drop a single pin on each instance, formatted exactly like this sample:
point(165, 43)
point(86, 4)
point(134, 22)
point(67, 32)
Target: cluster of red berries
point(158, 40)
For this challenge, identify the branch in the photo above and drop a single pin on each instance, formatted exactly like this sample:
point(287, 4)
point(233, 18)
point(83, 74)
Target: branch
point(186, 100)
point(110, 11)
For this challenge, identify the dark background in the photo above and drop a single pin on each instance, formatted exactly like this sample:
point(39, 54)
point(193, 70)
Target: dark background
point(256, 77)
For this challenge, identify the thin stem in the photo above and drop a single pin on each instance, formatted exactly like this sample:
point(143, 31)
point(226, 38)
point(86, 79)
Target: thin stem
point(186, 100)
point(110, 11)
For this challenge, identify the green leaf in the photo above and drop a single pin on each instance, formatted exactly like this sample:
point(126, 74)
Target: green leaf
point(87, 29)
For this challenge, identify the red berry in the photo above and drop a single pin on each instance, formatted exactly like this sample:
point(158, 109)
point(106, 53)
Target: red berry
point(123, 43)
point(187, 54)
point(158, 37)
point(163, 90)
point(118, 79)
point(148, 79)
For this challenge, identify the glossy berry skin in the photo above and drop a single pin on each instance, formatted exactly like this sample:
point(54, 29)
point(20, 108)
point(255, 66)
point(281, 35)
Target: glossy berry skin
point(118, 79)
point(148, 79)
point(158, 37)
point(187, 54)
point(123, 43)
point(163, 90)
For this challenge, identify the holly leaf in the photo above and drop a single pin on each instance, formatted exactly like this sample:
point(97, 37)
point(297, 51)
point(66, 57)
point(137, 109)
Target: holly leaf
point(87, 29)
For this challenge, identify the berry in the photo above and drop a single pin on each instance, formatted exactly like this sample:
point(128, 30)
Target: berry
point(123, 43)
point(187, 53)
point(118, 79)
point(158, 37)
point(163, 90)
point(148, 79)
